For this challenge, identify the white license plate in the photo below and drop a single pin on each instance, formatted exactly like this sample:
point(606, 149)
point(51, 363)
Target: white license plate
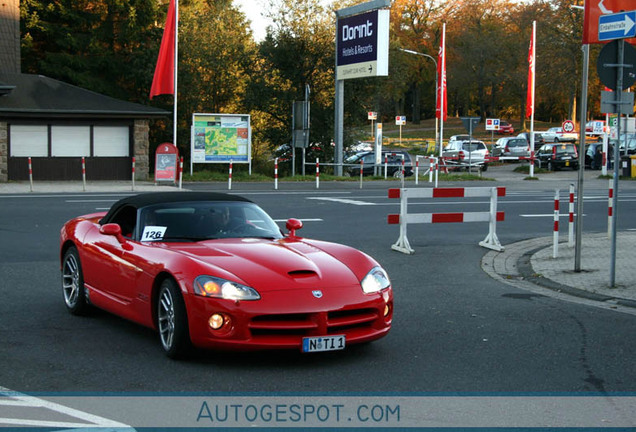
point(323, 343)
point(567, 158)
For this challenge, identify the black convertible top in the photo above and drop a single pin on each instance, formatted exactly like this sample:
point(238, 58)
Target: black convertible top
point(146, 199)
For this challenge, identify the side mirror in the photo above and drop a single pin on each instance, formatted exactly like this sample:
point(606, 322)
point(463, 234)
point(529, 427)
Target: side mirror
point(292, 225)
point(112, 229)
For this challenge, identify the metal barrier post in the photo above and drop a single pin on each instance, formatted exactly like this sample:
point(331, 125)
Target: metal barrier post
point(361, 169)
point(317, 174)
point(276, 174)
point(492, 241)
point(181, 172)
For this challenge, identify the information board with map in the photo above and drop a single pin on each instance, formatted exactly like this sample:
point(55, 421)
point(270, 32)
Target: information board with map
point(221, 138)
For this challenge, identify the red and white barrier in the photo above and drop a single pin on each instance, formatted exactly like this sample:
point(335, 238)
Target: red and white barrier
point(361, 171)
point(404, 218)
point(30, 174)
point(84, 173)
point(317, 174)
point(386, 166)
point(276, 174)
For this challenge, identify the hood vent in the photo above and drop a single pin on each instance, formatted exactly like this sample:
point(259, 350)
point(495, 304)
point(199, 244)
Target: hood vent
point(302, 273)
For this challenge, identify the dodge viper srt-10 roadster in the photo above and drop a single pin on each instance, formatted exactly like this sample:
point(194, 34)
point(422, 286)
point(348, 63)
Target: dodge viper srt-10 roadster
point(214, 271)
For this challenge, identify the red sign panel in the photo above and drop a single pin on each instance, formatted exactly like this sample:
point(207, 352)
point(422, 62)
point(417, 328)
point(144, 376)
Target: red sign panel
point(166, 162)
point(594, 9)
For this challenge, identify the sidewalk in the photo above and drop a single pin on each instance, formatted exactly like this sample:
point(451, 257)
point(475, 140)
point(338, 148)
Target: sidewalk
point(531, 261)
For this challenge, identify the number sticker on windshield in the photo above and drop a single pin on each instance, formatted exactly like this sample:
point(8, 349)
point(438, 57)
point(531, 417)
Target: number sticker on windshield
point(153, 233)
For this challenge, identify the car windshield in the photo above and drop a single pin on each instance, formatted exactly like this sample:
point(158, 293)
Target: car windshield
point(517, 143)
point(473, 146)
point(563, 148)
point(205, 220)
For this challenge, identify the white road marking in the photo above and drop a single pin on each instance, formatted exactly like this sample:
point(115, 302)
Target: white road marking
point(343, 201)
point(17, 399)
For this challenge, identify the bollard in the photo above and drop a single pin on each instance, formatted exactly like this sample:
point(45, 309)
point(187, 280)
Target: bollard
point(610, 209)
point(133, 174)
point(317, 174)
point(84, 173)
point(276, 174)
point(229, 180)
point(386, 166)
point(417, 170)
point(555, 231)
point(181, 173)
point(30, 174)
point(532, 163)
point(361, 169)
point(571, 218)
point(403, 173)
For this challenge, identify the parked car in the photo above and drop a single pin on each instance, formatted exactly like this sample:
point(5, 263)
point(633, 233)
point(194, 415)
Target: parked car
point(594, 155)
point(556, 134)
point(393, 159)
point(555, 156)
point(215, 271)
point(538, 139)
point(462, 153)
point(505, 128)
point(511, 146)
point(458, 138)
point(629, 141)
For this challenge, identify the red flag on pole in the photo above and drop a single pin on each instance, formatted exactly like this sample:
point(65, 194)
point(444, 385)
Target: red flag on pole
point(531, 71)
point(163, 81)
point(442, 97)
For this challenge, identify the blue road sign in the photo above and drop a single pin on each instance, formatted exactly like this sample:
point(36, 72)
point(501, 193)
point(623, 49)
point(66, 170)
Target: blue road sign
point(620, 25)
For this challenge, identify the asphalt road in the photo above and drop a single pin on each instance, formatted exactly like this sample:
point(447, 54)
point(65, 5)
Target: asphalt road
point(455, 328)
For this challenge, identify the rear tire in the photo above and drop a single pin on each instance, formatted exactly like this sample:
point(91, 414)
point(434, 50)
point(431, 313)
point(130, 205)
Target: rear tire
point(172, 320)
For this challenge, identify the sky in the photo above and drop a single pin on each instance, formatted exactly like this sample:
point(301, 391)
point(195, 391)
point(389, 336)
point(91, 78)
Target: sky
point(253, 10)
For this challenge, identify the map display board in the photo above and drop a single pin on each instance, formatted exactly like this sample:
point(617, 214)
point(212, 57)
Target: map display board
point(221, 138)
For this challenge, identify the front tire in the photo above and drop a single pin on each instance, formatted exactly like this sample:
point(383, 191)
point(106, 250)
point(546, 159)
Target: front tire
point(172, 320)
point(75, 297)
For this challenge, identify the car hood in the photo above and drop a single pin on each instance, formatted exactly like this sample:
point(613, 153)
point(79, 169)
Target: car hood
point(275, 264)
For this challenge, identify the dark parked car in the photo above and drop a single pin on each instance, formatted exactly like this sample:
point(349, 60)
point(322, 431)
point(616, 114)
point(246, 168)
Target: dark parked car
point(594, 155)
point(393, 159)
point(538, 139)
point(555, 156)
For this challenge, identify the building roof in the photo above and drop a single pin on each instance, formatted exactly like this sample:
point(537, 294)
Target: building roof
point(29, 96)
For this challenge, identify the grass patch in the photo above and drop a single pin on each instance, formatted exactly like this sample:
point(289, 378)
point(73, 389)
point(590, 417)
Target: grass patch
point(525, 169)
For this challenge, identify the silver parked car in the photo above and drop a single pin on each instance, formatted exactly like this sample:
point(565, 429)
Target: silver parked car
point(463, 153)
point(511, 146)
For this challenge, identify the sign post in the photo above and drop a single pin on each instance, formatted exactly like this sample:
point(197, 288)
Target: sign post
point(492, 124)
point(373, 116)
point(400, 121)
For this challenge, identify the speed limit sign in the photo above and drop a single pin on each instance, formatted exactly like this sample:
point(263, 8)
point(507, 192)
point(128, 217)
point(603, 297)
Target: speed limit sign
point(568, 126)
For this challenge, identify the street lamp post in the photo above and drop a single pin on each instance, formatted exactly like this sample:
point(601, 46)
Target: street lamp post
point(437, 137)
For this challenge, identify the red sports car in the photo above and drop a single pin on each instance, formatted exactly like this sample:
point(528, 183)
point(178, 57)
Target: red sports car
point(215, 271)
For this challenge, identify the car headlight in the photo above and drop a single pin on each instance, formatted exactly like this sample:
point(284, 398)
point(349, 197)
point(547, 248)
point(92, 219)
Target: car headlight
point(209, 286)
point(376, 280)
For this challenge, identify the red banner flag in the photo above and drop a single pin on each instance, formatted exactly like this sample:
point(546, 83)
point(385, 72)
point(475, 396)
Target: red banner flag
point(442, 94)
point(531, 71)
point(163, 81)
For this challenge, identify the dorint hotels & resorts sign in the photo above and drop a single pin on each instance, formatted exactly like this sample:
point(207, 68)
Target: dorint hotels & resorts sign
point(363, 45)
